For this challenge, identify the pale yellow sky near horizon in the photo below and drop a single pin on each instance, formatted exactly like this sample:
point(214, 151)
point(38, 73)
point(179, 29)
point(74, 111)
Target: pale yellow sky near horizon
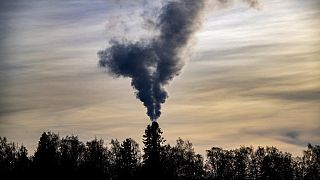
point(252, 78)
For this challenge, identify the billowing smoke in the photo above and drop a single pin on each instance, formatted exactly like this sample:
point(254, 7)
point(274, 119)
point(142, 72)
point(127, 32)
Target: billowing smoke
point(152, 64)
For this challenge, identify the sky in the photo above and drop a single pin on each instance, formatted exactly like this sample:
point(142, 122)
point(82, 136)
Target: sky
point(251, 76)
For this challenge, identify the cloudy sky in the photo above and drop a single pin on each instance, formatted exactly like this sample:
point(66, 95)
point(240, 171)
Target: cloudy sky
point(251, 76)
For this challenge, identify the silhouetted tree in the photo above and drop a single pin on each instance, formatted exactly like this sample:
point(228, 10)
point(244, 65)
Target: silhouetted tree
point(153, 145)
point(95, 161)
point(115, 159)
point(255, 171)
point(7, 157)
point(220, 163)
point(22, 163)
point(242, 162)
point(130, 158)
point(46, 158)
point(181, 162)
point(276, 165)
point(125, 159)
point(298, 168)
point(311, 161)
point(71, 153)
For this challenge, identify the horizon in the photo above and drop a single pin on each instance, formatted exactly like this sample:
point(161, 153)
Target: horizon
point(107, 143)
point(251, 75)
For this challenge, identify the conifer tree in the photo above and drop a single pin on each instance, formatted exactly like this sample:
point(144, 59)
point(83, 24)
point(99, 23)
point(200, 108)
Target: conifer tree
point(153, 144)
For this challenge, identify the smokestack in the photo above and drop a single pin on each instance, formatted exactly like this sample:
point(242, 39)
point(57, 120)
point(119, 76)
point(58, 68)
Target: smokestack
point(154, 63)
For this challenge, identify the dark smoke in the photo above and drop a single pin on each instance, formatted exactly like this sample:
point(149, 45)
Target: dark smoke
point(152, 64)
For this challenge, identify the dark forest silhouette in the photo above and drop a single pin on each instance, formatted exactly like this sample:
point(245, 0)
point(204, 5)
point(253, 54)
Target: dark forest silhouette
point(69, 158)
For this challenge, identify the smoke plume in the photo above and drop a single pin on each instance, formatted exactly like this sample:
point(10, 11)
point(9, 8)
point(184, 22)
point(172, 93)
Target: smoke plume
point(153, 63)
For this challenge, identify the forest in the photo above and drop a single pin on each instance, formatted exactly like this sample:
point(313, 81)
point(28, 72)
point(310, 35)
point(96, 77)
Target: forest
point(69, 158)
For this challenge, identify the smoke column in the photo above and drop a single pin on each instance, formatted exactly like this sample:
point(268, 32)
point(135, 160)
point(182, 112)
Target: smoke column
point(152, 64)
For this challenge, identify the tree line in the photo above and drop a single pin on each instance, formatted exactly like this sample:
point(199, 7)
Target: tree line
point(69, 158)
